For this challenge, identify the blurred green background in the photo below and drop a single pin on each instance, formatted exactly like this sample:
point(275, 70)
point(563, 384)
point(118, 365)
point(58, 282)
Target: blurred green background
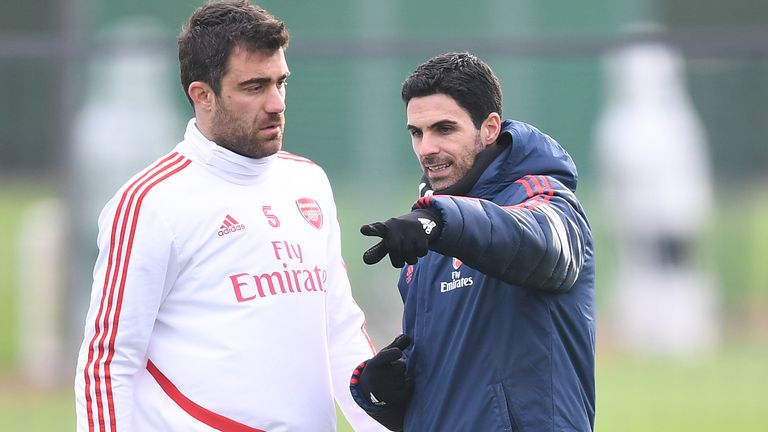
point(348, 59)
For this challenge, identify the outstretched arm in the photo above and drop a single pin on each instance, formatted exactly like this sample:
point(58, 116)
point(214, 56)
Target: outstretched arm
point(535, 238)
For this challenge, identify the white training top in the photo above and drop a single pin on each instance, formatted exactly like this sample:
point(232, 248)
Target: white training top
point(220, 300)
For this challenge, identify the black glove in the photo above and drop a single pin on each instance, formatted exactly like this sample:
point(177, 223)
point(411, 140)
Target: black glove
point(405, 238)
point(382, 382)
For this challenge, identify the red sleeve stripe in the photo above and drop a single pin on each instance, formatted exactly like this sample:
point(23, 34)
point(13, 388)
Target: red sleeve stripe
point(547, 188)
point(210, 418)
point(535, 181)
point(545, 192)
point(423, 202)
point(527, 186)
point(107, 320)
point(543, 195)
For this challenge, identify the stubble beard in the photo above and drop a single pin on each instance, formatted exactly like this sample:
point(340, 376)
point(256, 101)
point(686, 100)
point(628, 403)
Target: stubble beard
point(243, 138)
point(463, 163)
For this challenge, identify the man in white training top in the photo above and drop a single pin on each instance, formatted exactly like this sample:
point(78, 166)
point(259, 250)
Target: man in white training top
point(220, 301)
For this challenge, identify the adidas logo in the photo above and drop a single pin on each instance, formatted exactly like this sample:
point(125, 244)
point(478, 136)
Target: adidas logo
point(427, 224)
point(376, 401)
point(229, 226)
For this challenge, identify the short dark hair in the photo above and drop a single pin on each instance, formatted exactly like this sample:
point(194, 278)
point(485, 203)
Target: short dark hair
point(463, 77)
point(213, 30)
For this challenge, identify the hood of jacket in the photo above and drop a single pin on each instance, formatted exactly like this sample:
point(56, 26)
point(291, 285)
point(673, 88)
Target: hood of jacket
point(529, 151)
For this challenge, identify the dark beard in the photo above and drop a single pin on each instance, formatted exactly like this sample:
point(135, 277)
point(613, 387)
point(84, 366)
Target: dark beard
point(465, 184)
point(231, 134)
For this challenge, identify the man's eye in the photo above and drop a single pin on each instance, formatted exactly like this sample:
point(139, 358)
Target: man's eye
point(415, 133)
point(282, 84)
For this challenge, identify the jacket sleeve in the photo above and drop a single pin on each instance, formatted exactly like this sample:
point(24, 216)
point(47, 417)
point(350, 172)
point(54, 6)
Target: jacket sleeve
point(134, 269)
point(535, 238)
point(348, 340)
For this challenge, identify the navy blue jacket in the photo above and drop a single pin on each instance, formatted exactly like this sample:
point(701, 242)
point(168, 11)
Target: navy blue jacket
point(501, 310)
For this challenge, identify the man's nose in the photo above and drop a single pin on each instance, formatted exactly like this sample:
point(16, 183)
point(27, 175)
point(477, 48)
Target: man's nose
point(428, 145)
point(275, 101)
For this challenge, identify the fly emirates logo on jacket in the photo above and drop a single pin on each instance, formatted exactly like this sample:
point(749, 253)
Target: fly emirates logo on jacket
point(291, 276)
point(456, 280)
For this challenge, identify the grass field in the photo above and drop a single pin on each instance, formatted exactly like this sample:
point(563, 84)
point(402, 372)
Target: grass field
point(14, 200)
point(724, 391)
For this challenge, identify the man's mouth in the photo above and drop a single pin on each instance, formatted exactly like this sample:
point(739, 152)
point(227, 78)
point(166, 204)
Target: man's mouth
point(438, 168)
point(271, 128)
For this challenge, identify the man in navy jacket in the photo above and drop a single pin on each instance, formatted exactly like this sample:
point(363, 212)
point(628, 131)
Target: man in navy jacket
point(498, 271)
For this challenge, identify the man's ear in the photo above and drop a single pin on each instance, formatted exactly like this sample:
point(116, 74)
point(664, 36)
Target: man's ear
point(202, 95)
point(490, 129)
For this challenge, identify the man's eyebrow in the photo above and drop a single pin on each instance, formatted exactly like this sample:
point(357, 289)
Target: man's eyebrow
point(444, 122)
point(261, 80)
point(434, 125)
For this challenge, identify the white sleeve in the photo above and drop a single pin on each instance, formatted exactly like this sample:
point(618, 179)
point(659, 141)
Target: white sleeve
point(349, 343)
point(134, 269)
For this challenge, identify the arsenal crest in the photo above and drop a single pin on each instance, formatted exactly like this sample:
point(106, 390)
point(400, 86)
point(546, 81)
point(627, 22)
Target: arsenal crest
point(311, 211)
point(456, 263)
